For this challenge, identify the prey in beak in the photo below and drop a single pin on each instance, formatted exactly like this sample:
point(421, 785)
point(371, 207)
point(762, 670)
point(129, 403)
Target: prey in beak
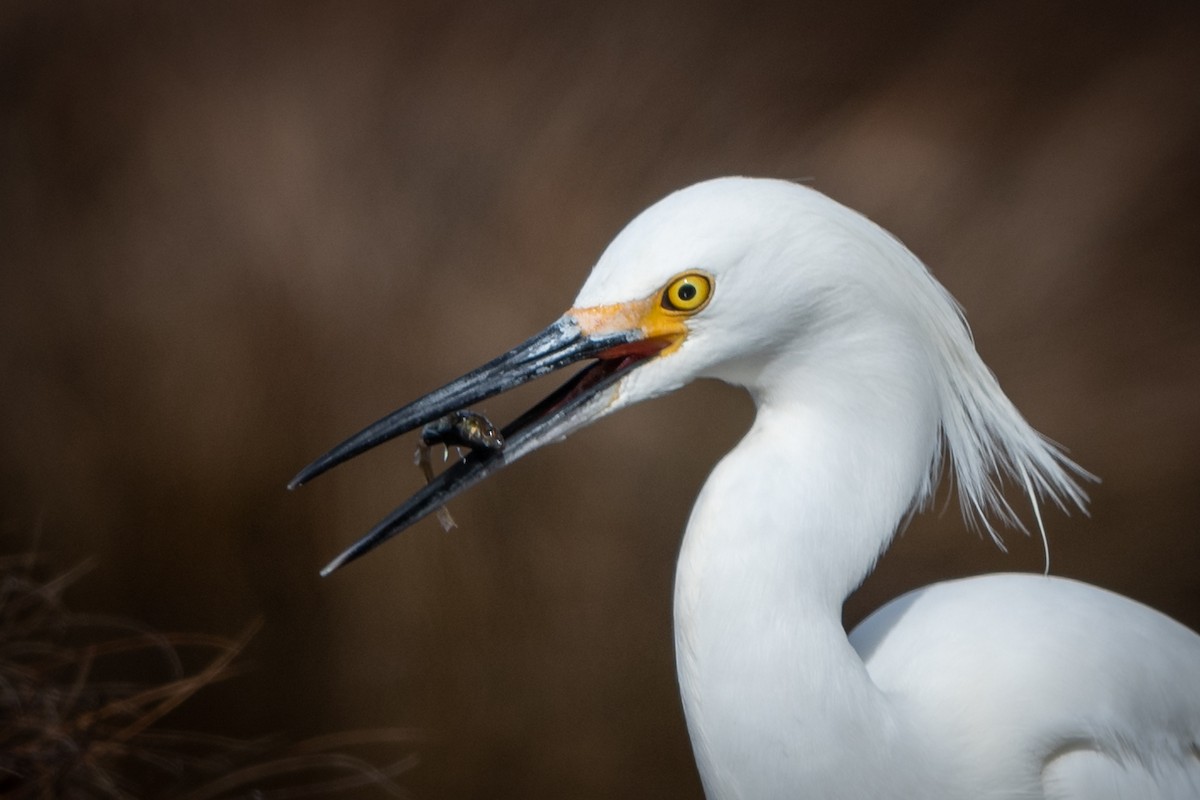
point(619, 338)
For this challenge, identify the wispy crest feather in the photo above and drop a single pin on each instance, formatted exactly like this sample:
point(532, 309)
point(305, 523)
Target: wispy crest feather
point(984, 435)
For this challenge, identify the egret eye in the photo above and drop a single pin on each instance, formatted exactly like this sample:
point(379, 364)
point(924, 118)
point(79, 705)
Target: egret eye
point(687, 293)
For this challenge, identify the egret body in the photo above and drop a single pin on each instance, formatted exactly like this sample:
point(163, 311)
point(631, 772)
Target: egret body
point(865, 379)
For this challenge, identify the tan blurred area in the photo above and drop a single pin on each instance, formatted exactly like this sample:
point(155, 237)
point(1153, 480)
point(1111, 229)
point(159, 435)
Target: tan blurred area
point(232, 234)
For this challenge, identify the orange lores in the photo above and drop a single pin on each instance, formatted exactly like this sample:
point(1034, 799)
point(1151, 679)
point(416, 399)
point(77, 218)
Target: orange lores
point(662, 330)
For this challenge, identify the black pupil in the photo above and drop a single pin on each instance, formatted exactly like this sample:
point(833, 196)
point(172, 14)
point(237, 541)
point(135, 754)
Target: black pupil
point(687, 292)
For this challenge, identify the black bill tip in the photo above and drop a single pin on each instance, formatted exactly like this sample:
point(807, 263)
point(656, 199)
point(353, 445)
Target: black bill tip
point(579, 401)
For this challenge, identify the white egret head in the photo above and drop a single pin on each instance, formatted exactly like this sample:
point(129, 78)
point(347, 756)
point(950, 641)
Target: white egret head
point(765, 284)
point(786, 272)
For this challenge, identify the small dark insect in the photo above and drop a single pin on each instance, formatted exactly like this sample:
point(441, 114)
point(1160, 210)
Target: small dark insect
point(463, 429)
point(460, 429)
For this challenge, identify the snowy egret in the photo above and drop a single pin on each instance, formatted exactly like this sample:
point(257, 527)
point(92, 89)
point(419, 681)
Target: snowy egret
point(864, 376)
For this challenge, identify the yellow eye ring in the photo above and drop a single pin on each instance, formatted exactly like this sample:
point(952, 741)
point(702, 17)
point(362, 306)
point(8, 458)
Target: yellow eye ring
point(688, 293)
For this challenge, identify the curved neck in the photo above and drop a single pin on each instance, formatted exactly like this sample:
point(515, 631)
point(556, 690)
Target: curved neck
point(788, 524)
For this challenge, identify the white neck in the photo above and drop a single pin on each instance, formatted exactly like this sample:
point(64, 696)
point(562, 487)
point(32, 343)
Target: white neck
point(788, 524)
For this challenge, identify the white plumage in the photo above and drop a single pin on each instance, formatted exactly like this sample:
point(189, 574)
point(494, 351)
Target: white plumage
point(1041, 687)
point(864, 377)
point(1005, 686)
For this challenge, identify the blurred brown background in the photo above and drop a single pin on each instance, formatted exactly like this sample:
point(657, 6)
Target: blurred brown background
point(231, 234)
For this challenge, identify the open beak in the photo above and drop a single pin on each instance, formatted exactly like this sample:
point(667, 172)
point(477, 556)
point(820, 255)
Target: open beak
point(613, 335)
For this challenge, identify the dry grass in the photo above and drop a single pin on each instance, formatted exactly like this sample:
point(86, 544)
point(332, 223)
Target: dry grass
point(83, 699)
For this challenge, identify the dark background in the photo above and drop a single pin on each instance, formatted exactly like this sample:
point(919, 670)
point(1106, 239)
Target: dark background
point(231, 234)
